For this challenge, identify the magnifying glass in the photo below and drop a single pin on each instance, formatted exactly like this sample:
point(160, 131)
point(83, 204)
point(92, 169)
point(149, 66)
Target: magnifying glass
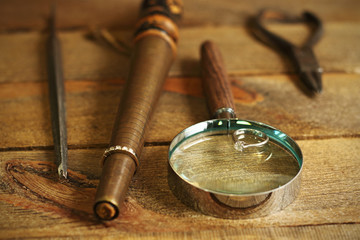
point(229, 167)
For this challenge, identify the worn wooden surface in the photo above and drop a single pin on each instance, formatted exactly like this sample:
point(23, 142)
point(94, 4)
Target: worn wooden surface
point(35, 204)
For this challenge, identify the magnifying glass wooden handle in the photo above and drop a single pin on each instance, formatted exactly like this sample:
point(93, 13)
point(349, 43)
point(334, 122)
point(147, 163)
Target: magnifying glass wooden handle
point(154, 51)
point(215, 82)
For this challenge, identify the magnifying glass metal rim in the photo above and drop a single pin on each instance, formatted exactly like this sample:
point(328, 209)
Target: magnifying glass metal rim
point(228, 205)
point(220, 125)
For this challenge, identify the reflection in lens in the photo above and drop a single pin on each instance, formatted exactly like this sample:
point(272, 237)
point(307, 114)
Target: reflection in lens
point(210, 161)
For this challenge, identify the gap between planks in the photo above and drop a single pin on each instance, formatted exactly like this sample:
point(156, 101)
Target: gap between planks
point(158, 144)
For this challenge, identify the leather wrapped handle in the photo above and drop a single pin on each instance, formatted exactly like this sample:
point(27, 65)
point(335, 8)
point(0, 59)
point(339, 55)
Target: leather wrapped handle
point(215, 82)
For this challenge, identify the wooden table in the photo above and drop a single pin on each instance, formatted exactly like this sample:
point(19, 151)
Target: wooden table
point(34, 203)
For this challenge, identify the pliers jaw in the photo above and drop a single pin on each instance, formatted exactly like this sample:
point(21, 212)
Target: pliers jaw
point(312, 80)
point(303, 58)
point(307, 66)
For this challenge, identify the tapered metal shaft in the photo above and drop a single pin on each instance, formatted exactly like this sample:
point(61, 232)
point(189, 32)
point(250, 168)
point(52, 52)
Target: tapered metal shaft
point(57, 99)
point(154, 51)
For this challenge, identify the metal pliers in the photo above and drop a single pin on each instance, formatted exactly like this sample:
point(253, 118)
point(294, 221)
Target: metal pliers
point(303, 57)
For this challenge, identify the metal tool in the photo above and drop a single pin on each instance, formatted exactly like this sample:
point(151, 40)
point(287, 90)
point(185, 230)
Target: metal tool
point(303, 57)
point(154, 51)
point(229, 167)
point(57, 98)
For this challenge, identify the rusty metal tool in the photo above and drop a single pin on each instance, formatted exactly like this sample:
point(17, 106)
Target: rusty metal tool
point(154, 51)
point(303, 56)
point(57, 98)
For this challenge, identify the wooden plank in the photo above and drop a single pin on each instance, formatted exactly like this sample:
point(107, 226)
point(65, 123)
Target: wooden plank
point(23, 55)
point(24, 58)
point(34, 203)
point(230, 12)
point(22, 14)
point(92, 105)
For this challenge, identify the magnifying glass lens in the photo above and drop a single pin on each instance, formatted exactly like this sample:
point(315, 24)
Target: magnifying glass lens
point(244, 161)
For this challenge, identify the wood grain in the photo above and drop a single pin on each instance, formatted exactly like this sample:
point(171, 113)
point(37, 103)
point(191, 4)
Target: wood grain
point(25, 15)
point(216, 86)
point(30, 190)
point(23, 54)
point(35, 204)
point(92, 105)
point(21, 15)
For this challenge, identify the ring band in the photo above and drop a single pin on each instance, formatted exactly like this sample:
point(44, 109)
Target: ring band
point(120, 149)
point(240, 134)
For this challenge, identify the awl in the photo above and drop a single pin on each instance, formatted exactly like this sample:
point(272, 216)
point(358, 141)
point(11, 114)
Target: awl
point(57, 98)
